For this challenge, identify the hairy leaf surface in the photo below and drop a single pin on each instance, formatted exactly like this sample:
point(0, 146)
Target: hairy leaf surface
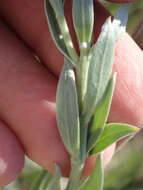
point(112, 133)
point(67, 109)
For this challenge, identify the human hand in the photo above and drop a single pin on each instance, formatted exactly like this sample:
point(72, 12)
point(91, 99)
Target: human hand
point(28, 88)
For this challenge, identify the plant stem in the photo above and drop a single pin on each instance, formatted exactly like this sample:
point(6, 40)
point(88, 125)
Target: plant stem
point(83, 139)
point(76, 170)
point(81, 75)
point(67, 38)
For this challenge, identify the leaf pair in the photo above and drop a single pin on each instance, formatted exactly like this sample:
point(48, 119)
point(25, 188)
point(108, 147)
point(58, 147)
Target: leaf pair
point(100, 68)
point(101, 61)
point(101, 135)
point(101, 115)
point(100, 87)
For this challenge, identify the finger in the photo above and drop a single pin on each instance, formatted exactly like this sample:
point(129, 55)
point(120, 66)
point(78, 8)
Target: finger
point(127, 105)
point(34, 30)
point(116, 118)
point(11, 155)
point(128, 94)
point(27, 102)
point(30, 110)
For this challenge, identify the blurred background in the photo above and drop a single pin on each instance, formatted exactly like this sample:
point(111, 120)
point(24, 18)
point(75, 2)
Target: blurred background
point(135, 24)
point(125, 171)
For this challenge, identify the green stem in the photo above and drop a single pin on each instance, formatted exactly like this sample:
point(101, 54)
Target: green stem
point(81, 79)
point(67, 38)
point(81, 75)
point(75, 175)
point(83, 139)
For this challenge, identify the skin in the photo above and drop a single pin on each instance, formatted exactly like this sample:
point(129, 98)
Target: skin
point(28, 88)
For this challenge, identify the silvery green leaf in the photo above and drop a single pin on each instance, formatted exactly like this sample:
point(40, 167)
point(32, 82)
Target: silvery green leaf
point(112, 133)
point(101, 114)
point(57, 6)
point(54, 29)
point(67, 109)
point(97, 178)
point(83, 18)
point(100, 67)
point(55, 183)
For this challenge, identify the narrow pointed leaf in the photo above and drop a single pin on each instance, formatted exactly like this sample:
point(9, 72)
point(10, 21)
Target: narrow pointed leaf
point(101, 114)
point(67, 109)
point(100, 67)
point(57, 6)
point(112, 133)
point(83, 18)
point(54, 29)
point(97, 178)
point(39, 182)
point(47, 178)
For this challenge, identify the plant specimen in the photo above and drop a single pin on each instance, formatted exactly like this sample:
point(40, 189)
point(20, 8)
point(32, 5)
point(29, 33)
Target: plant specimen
point(85, 90)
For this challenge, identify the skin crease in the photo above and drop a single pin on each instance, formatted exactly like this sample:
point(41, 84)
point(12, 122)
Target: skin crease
point(30, 110)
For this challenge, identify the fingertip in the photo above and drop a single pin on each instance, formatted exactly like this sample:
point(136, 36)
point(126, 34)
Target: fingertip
point(11, 156)
point(127, 104)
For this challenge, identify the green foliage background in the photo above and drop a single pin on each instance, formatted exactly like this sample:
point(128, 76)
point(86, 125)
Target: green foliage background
point(135, 14)
point(125, 171)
